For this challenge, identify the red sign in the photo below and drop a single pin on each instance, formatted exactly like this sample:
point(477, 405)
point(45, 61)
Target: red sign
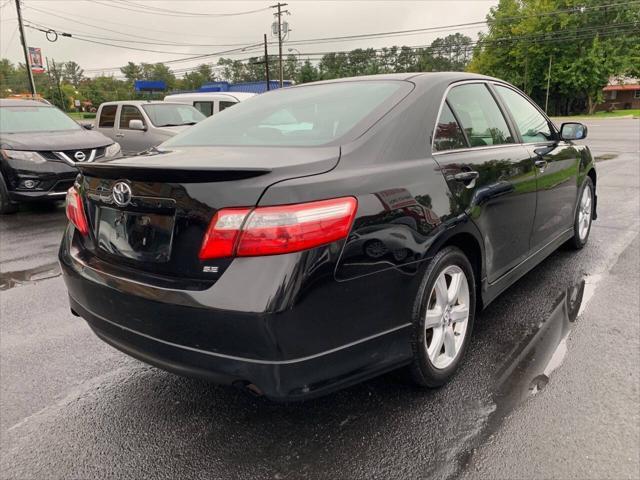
point(35, 60)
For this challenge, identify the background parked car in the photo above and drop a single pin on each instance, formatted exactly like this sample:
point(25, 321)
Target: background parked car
point(138, 125)
point(40, 147)
point(209, 102)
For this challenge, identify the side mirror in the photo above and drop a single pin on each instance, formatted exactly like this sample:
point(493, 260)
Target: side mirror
point(87, 126)
point(573, 131)
point(136, 125)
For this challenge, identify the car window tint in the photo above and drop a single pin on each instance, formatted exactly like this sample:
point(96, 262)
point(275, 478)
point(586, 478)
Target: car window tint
point(305, 115)
point(224, 104)
point(172, 114)
point(531, 123)
point(108, 116)
point(206, 108)
point(448, 133)
point(479, 115)
point(34, 119)
point(129, 113)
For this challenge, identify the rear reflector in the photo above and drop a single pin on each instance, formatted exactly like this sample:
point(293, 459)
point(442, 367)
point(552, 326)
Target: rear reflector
point(75, 211)
point(279, 229)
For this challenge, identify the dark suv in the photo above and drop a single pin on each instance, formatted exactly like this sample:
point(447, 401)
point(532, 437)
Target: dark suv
point(39, 149)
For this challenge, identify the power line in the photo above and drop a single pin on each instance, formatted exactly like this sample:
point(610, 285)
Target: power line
point(164, 12)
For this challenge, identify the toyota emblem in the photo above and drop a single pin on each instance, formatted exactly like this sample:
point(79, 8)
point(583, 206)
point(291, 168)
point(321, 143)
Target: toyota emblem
point(80, 156)
point(121, 193)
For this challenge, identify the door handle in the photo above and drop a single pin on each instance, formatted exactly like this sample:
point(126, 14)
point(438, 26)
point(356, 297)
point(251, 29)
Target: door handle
point(466, 176)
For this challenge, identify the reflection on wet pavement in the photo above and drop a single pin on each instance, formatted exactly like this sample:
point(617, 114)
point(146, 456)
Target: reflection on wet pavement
point(530, 363)
point(22, 277)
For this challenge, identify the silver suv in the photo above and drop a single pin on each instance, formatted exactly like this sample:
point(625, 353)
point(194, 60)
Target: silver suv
point(138, 125)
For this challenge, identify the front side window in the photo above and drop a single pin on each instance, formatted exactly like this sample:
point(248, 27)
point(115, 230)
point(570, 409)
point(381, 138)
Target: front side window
point(225, 104)
point(172, 114)
point(479, 115)
point(128, 113)
point(34, 119)
point(307, 115)
point(205, 108)
point(448, 135)
point(108, 116)
point(531, 123)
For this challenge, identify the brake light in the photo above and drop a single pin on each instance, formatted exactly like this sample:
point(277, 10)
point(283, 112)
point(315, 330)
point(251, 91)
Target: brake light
point(279, 229)
point(75, 211)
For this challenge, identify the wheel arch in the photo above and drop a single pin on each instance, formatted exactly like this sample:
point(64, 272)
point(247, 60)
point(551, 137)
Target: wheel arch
point(467, 238)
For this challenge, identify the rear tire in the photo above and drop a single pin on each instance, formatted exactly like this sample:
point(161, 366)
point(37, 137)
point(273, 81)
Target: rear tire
point(6, 205)
point(583, 216)
point(444, 312)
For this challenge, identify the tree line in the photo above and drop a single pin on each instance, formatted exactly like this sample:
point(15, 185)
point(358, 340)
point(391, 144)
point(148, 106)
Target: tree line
point(571, 46)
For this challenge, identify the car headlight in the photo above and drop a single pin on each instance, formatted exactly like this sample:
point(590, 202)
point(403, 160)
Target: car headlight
point(21, 155)
point(112, 150)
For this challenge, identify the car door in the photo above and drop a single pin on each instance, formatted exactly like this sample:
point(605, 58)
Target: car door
point(132, 141)
point(556, 164)
point(107, 121)
point(491, 176)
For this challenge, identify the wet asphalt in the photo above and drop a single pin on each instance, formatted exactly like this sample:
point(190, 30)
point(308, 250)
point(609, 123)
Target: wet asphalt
point(549, 388)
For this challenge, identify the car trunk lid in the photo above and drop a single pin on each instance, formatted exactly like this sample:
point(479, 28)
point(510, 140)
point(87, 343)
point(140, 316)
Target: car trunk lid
point(149, 213)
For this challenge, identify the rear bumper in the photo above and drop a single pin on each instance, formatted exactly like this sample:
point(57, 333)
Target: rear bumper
point(289, 354)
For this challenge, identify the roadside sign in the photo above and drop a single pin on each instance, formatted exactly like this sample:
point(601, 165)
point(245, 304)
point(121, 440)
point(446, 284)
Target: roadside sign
point(76, 103)
point(35, 59)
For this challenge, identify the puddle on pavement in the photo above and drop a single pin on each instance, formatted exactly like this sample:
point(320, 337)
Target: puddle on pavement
point(530, 364)
point(24, 277)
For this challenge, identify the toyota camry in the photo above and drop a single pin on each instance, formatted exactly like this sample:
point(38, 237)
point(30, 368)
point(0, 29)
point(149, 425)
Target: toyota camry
point(316, 236)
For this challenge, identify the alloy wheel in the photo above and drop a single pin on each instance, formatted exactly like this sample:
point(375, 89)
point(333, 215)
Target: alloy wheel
point(447, 317)
point(584, 212)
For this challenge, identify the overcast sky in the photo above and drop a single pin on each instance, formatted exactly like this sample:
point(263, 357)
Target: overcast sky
point(308, 20)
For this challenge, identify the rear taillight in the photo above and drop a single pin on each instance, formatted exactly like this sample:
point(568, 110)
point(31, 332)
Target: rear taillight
point(275, 230)
point(75, 211)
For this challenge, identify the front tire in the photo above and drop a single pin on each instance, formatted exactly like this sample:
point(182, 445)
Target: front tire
point(6, 205)
point(583, 216)
point(444, 313)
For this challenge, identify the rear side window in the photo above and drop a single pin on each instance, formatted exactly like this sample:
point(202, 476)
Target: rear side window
point(531, 123)
point(129, 113)
point(108, 116)
point(224, 104)
point(206, 108)
point(307, 115)
point(479, 115)
point(448, 134)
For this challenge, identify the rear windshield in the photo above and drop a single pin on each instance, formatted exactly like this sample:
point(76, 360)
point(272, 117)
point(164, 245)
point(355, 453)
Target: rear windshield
point(172, 114)
point(34, 119)
point(301, 116)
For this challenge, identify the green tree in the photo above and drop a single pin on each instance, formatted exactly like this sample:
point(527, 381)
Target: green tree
point(72, 73)
point(586, 44)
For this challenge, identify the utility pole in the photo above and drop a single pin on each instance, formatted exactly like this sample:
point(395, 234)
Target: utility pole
point(32, 84)
point(546, 102)
point(266, 62)
point(279, 17)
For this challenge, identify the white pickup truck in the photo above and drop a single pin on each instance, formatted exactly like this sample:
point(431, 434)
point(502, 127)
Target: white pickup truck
point(138, 125)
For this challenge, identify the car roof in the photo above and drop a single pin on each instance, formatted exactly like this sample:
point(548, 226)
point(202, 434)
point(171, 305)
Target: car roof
point(17, 102)
point(137, 102)
point(237, 95)
point(416, 77)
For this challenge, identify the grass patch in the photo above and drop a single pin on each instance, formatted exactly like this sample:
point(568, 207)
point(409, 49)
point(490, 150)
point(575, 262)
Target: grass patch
point(81, 115)
point(605, 156)
point(635, 112)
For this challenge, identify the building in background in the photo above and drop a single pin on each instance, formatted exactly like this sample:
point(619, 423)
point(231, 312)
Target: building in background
point(622, 93)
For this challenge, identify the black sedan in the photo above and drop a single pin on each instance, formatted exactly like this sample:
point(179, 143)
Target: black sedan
point(40, 147)
point(319, 235)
